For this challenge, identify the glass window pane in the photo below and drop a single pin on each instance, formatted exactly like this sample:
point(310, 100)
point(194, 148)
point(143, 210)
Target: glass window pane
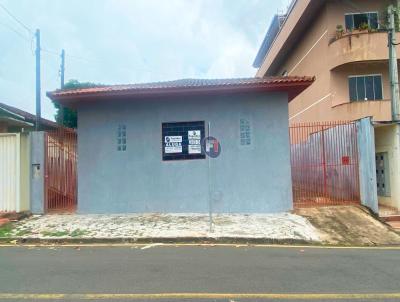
point(373, 20)
point(352, 89)
point(349, 21)
point(360, 88)
point(369, 88)
point(378, 87)
point(360, 19)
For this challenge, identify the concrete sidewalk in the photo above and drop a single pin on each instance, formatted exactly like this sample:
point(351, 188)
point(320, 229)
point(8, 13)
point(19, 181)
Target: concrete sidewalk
point(282, 226)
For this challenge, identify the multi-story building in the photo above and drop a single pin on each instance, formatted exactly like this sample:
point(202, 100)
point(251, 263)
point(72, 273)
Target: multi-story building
point(344, 44)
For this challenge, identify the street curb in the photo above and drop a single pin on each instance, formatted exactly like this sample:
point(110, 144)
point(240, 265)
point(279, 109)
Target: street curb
point(21, 241)
point(165, 240)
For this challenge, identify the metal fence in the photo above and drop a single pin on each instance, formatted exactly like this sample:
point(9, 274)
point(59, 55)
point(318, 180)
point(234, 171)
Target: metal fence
point(324, 162)
point(60, 170)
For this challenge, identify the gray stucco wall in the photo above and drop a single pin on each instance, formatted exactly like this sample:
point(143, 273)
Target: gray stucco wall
point(37, 172)
point(242, 179)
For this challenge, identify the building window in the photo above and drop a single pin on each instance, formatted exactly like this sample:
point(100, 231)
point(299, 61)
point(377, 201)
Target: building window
point(382, 174)
point(365, 87)
point(245, 132)
point(182, 140)
point(358, 20)
point(121, 138)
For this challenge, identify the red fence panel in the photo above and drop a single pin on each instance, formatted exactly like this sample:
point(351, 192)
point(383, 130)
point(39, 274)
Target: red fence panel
point(60, 170)
point(324, 162)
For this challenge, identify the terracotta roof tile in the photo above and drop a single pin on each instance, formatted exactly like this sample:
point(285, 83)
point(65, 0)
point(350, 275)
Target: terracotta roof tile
point(28, 116)
point(182, 85)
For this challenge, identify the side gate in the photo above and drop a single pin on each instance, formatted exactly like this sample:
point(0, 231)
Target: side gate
point(60, 170)
point(10, 172)
point(324, 163)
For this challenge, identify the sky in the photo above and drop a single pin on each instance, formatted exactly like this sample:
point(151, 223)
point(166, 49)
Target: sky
point(127, 41)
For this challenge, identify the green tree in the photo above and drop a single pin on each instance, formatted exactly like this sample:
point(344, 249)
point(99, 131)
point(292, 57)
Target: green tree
point(69, 118)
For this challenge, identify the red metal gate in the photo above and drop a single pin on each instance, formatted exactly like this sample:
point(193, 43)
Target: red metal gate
point(60, 170)
point(324, 161)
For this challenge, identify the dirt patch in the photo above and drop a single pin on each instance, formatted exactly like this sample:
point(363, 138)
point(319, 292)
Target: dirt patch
point(349, 225)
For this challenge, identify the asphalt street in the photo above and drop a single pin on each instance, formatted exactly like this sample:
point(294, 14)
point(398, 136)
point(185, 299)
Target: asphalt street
point(198, 273)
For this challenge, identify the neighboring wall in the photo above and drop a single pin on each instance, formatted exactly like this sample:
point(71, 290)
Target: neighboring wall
point(25, 148)
point(242, 179)
point(307, 58)
point(313, 54)
point(37, 193)
point(387, 139)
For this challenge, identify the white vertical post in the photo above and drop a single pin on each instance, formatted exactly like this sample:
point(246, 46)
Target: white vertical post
point(209, 183)
point(393, 70)
point(18, 173)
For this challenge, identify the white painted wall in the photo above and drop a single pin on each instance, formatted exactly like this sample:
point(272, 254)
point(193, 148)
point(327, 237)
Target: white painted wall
point(387, 140)
point(10, 172)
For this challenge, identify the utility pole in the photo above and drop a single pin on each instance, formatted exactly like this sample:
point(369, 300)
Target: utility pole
point(38, 108)
point(393, 69)
point(62, 70)
point(398, 15)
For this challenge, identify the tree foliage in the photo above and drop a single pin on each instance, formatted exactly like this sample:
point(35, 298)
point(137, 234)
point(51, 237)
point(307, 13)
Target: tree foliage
point(69, 118)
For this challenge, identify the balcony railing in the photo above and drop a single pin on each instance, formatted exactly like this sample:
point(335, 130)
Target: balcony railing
point(359, 46)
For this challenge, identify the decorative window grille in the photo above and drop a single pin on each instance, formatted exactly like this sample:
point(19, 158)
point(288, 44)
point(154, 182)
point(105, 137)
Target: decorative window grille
point(245, 132)
point(121, 139)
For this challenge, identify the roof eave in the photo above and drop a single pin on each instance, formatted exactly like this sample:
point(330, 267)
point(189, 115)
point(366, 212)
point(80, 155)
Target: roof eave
point(292, 88)
point(311, 7)
point(15, 122)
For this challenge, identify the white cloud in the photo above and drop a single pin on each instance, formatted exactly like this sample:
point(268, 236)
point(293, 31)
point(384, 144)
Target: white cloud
point(126, 41)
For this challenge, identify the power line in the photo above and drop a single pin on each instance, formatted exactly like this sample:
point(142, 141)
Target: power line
point(92, 62)
point(50, 51)
point(16, 19)
point(15, 31)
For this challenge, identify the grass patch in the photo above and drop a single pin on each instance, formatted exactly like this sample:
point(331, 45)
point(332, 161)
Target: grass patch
point(5, 230)
point(23, 232)
point(55, 233)
point(78, 233)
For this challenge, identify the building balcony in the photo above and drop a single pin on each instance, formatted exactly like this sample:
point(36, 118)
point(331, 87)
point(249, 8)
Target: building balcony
point(378, 110)
point(358, 47)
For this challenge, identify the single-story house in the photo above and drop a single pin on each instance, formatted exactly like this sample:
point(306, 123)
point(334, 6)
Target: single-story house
point(15, 126)
point(15, 120)
point(141, 147)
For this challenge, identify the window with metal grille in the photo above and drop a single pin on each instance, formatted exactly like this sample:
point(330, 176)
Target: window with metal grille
point(121, 138)
point(245, 132)
point(182, 140)
point(358, 20)
point(382, 174)
point(365, 87)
